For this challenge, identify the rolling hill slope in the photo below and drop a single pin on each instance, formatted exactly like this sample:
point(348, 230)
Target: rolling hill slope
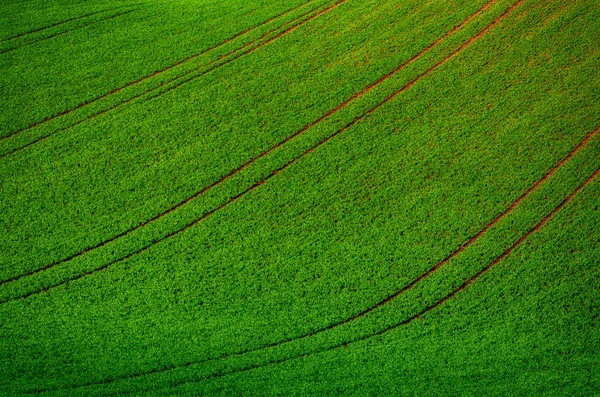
point(300, 197)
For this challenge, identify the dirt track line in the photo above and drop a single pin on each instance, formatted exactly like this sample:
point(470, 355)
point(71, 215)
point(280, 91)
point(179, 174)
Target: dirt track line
point(66, 32)
point(251, 161)
point(288, 164)
point(428, 309)
point(154, 74)
point(211, 63)
point(62, 23)
point(241, 53)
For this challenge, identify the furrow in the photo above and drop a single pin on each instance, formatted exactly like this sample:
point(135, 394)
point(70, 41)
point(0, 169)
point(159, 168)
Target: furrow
point(154, 74)
point(64, 33)
point(60, 23)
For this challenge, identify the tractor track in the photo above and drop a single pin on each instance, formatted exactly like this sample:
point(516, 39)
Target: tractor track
point(60, 23)
point(145, 78)
point(428, 309)
point(156, 217)
point(161, 85)
point(66, 32)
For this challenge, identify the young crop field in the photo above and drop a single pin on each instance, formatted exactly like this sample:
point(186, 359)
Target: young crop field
point(300, 197)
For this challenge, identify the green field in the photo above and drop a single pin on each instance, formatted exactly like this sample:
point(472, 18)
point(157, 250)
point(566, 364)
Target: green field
point(300, 197)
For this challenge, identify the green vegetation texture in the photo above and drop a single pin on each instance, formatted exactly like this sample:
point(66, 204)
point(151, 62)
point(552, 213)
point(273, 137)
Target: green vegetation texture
point(300, 197)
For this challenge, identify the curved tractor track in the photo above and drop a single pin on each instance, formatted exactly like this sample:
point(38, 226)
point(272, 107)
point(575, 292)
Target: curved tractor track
point(428, 309)
point(181, 79)
point(66, 32)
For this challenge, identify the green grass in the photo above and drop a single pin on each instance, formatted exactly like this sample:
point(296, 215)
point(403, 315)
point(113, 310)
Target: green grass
point(300, 209)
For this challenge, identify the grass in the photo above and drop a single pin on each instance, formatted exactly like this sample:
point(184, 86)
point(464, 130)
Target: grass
point(322, 197)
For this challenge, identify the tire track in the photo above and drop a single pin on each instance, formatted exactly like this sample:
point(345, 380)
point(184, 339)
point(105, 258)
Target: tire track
point(428, 309)
point(154, 74)
point(264, 154)
point(278, 170)
point(66, 32)
point(250, 51)
point(61, 23)
point(165, 83)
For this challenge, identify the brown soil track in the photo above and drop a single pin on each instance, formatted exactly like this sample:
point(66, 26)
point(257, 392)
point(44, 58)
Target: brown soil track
point(251, 161)
point(216, 66)
point(61, 23)
point(67, 32)
point(154, 74)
